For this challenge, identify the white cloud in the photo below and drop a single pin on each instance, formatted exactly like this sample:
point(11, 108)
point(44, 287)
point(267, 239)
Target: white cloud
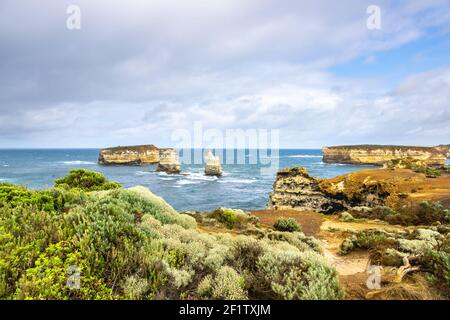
point(137, 70)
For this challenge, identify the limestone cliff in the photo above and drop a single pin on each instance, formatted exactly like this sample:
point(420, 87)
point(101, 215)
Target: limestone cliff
point(168, 161)
point(130, 155)
point(295, 189)
point(379, 155)
point(445, 149)
point(213, 166)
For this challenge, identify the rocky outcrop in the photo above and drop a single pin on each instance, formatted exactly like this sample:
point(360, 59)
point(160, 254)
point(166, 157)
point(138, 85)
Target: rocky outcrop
point(295, 189)
point(168, 161)
point(131, 155)
point(379, 155)
point(212, 167)
point(445, 149)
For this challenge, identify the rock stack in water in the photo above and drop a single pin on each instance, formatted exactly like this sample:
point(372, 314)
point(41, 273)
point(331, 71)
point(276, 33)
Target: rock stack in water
point(129, 155)
point(212, 167)
point(168, 161)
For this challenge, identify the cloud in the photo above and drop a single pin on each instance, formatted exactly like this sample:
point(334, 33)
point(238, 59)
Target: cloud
point(137, 70)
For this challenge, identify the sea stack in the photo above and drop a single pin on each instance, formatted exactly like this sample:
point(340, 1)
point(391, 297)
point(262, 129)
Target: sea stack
point(168, 161)
point(212, 167)
point(129, 155)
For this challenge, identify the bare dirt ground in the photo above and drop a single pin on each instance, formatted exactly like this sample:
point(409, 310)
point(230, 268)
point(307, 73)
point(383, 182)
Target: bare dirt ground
point(310, 221)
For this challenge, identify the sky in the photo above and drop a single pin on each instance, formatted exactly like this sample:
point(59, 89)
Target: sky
point(138, 71)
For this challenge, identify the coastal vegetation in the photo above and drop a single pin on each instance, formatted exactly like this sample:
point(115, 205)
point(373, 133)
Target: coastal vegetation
point(425, 213)
point(88, 238)
point(85, 180)
point(425, 250)
point(286, 224)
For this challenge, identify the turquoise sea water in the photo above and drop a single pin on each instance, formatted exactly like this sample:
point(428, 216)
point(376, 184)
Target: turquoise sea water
point(242, 185)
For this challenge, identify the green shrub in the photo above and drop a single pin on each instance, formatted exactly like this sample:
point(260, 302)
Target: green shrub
point(86, 180)
point(287, 225)
point(48, 279)
point(17, 196)
point(25, 232)
point(225, 285)
point(140, 201)
point(303, 276)
point(367, 240)
point(135, 288)
point(425, 214)
point(346, 217)
point(437, 262)
point(230, 218)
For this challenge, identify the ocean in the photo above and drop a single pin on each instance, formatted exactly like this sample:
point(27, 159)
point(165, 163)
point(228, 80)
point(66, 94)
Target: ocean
point(242, 186)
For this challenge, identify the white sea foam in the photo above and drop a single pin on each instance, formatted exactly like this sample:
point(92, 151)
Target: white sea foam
point(187, 182)
point(200, 176)
point(5, 165)
point(77, 162)
point(167, 178)
point(142, 173)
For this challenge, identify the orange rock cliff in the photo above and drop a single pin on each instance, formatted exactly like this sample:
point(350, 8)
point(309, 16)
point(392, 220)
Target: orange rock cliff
point(380, 154)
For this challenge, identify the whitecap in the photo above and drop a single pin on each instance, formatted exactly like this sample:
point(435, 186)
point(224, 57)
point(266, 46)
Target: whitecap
point(199, 176)
point(186, 182)
point(167, 179)
point(77, 162)
point(142, 173)
point(5, 165)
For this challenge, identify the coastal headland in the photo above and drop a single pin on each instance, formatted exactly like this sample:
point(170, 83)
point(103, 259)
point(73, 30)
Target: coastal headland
point(381, 154)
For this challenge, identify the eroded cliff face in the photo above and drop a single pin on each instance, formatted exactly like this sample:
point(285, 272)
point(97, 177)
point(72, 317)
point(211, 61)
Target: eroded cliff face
point(132, 155)
point(445, 149)
point(213, 166)
point(379, 155)
point(168, 161)
point(295, 189)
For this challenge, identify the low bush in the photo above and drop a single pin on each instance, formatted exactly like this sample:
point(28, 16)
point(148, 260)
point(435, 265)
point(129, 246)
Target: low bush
point(15, 196)
point(426, 213)
point(232, 218)
point(226, 284)
point(287, 224)
point(346, 217)
point(86, 180)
